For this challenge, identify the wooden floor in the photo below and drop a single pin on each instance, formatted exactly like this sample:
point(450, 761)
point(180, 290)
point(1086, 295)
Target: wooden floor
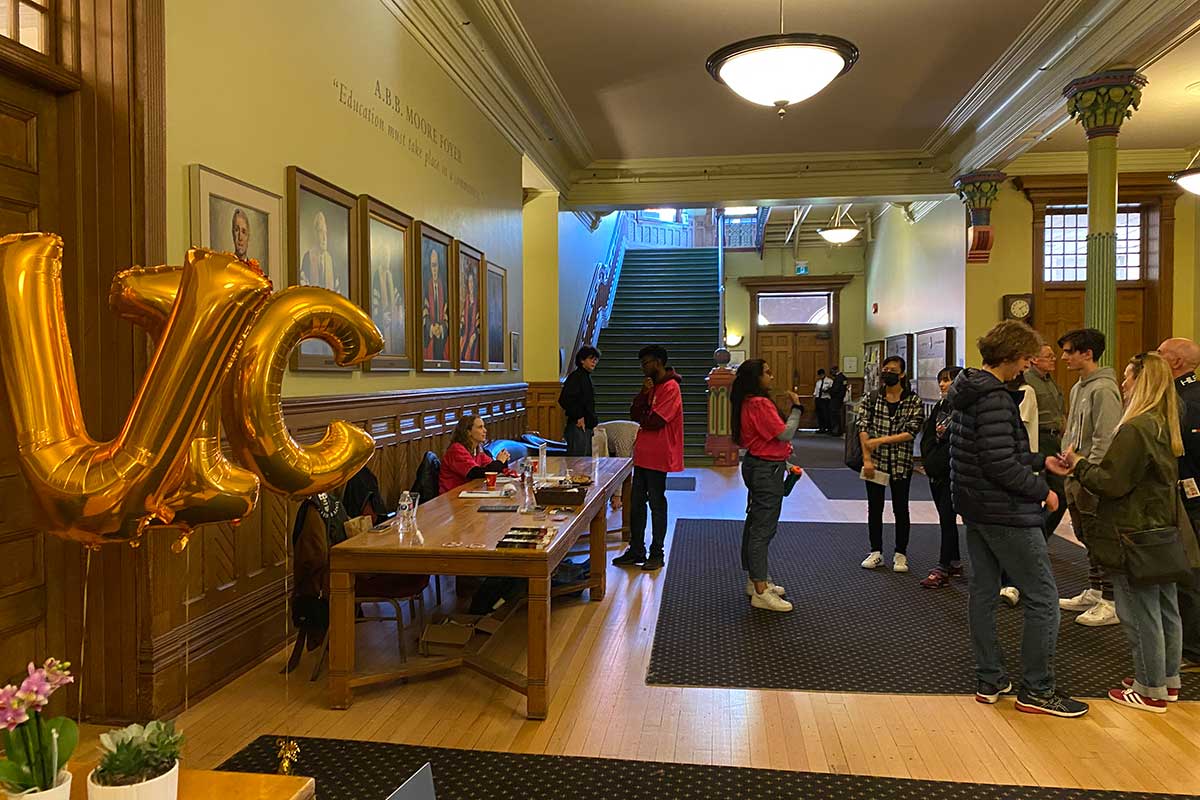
point(601, 706)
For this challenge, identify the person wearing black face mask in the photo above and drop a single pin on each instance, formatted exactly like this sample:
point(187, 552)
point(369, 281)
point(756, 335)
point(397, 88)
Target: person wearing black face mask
point(888, 423)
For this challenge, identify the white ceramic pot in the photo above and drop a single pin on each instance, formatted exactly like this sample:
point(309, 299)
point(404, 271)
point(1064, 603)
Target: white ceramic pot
point(61, 790)
point(164, 787)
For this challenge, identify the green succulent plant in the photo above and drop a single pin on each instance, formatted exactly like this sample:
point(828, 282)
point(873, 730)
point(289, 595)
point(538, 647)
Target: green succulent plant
point(137, 754)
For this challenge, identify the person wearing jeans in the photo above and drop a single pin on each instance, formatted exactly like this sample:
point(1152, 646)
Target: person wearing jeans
point(578, 401)
point(1000, 495)
point(757, 425)
point(658, 449)
point(1136, 484)
point(888, 423)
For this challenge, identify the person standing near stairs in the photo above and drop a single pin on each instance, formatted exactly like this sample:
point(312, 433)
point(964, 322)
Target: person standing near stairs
point(578, 401)
point(658, 408)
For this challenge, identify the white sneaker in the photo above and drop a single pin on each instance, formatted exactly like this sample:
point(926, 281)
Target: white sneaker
point(874, 560)
point(770, 601)
point(771, 587)
point(1010, 595)
point(900, 563)
point(1103, 613)
point(1080, 602)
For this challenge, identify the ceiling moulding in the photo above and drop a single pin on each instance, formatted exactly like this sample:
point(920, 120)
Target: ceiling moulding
point(438, 27)
point(1024, 109)
point(1069, 162)
point(508, 35)
point(754, 180)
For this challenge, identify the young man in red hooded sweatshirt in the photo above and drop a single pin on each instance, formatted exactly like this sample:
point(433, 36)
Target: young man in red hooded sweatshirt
point(658, 408)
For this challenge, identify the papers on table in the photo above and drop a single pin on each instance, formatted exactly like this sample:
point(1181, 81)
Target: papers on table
point(482, 494)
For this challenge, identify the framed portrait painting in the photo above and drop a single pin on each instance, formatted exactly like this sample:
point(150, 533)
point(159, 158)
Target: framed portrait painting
point(386, 281)
point(495, 316)
point(435, 338)
point(468, 297)
point(322, 251)
point(235, 217)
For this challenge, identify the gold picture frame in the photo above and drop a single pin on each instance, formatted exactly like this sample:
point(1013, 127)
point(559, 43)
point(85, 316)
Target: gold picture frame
point(387, 281)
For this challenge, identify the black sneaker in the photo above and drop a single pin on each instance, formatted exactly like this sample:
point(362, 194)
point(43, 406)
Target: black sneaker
point(653, 562)
point(1057, 705)
point(631, 559)
point(991, 694)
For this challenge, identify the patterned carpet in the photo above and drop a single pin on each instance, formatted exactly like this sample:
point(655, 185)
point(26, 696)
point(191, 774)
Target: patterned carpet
point(852, 630)
point(844, 484)
point(351, 770)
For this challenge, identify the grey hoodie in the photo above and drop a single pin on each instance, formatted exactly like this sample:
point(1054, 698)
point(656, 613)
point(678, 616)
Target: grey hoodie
point(1096, 409)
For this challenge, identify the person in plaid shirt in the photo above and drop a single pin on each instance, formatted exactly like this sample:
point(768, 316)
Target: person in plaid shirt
point(888, 423)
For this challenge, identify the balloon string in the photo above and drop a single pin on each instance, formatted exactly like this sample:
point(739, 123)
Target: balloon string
point(79, 673)
point(287, 611)
point(187, 625)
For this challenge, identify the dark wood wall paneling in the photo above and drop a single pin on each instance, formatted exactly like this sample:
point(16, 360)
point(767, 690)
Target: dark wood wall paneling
point(545, 415)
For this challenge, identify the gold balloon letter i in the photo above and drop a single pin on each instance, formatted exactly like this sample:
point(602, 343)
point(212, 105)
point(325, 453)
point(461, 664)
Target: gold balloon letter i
point(215, 325)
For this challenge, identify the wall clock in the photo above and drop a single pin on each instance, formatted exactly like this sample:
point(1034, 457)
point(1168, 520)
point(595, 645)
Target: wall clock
point(1018, 307)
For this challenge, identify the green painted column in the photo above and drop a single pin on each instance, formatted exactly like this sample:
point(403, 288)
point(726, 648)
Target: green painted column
point(1101, 102)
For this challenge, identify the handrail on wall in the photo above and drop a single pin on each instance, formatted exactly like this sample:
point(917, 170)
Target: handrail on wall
point(719, 215)
point(605, 276)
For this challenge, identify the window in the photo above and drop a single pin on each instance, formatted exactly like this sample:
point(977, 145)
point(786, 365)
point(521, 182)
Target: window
point(26, 21)
point(654, 214)
point(1064, 248)
point(800, 308)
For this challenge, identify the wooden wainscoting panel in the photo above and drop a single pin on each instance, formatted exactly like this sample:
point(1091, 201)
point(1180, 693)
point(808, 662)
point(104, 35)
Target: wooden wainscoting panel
point(231, 614)
point(545, 415)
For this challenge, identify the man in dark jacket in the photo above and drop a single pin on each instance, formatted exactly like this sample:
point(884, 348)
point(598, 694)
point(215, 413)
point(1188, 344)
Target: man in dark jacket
point(837, 397)
point(1183, 356)
point(1000, 497)
point(578, 401)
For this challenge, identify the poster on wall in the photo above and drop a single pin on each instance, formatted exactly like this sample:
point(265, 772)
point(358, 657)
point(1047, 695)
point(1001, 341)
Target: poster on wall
point(433, 288)
point(386, 279)
point(872, 359)
point(323, 239)
point(934, 351)
point(468, 263)
point(496, 316)
point(235, 217)
point(900, 345)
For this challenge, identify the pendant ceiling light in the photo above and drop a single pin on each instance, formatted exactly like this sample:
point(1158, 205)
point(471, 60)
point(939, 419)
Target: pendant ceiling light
point(841, 227)
point(781, 69)
point(1188, 179)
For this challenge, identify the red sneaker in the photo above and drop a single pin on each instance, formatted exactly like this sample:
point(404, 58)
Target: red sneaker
point(1128, 697)
point(936, 579)
point(1172, 694)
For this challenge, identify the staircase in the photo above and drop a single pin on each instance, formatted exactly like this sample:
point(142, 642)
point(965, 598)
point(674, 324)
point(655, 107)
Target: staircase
point(667, 297)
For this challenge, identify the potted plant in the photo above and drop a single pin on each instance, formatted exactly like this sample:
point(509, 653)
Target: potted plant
point(36, 748)
point(138, 763)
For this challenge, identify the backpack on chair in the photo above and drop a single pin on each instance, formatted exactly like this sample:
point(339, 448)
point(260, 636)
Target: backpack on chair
point(426, 482)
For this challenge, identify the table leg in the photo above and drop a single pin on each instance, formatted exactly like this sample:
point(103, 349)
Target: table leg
point(341, 638)
point(538, 663)
point(626, 504)
point(598, 555)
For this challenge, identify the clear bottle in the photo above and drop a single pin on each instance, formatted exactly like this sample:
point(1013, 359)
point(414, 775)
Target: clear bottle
point(543, 470)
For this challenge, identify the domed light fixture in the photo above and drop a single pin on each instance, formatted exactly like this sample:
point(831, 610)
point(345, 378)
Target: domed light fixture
point(841, 227)
point(781, 69)
point(1188, 179)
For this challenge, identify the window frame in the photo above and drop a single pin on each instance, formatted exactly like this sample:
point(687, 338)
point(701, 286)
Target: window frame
point(1143, 209)
point(829, 308)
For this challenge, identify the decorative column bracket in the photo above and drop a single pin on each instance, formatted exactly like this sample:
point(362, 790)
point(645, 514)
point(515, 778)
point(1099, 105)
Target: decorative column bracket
point(1101, 102)
point(978, 190)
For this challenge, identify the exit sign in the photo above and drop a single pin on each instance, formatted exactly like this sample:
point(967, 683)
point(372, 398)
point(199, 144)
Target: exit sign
point(802, 268)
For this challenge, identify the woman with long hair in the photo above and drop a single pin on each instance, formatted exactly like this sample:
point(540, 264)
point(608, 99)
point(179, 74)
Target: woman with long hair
point(935, 454)
point(889, 420)
point(758, 426)
point(465, 458)
point(1137, 487)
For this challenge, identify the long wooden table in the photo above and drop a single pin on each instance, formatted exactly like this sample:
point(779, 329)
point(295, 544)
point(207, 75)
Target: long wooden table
point(202, 784)
point(459, 540)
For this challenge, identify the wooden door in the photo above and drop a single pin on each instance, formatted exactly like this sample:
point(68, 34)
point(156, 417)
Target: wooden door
point(1061, 310)
point(28, 173)
point(795, 357)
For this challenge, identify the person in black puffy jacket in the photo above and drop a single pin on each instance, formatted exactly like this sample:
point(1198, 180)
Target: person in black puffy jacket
point(1000, 496)
point(935, 457)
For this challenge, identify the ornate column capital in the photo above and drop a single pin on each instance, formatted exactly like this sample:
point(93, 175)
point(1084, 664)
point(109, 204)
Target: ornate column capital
point(978, 190)
point(1103, 100)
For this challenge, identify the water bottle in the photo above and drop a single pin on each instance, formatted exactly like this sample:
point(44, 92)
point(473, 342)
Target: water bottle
point(599, 444)
point(526, 482)
point(542, 469)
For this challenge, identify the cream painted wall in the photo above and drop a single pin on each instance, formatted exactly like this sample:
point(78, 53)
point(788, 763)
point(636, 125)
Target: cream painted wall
point(540, 219)
point(579, 251)
point(916, 273)
point(254, 87)
point(1187, 259)
point(821, 261)
point(1008, 271)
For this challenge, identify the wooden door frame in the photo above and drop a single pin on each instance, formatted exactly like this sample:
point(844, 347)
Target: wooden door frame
point(1151, 190)
point(773, 284)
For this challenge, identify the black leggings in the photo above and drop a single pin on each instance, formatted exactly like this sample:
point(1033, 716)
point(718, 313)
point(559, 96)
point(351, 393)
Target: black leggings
point(948, 520)
point(899, 508)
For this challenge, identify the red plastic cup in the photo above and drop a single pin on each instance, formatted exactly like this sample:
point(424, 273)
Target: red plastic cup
point(490, 477)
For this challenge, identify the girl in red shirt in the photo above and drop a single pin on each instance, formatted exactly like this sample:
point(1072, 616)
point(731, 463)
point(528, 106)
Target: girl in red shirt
point(767, 437)
point(465, 459)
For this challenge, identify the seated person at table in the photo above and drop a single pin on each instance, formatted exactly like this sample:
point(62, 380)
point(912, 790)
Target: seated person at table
point(465, 459)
